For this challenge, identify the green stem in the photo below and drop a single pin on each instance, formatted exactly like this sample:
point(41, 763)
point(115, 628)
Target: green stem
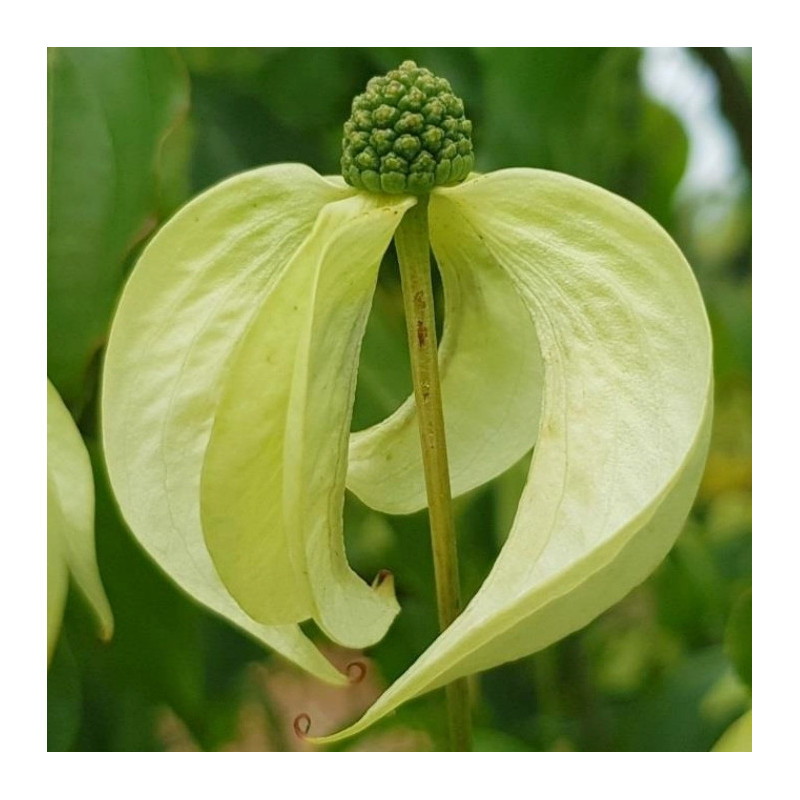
point(413, 253)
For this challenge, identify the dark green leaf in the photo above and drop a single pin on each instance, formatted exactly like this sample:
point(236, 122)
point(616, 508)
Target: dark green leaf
point(739, 637)
point(63, 699)
point(109, 113)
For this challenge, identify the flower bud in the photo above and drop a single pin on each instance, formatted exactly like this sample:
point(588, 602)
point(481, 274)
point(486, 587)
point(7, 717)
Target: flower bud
point(406, 134)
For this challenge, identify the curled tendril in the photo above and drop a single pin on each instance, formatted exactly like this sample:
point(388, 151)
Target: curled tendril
point(302, 725)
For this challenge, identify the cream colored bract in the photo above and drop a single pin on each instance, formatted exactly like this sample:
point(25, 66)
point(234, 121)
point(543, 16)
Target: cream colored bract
point(70, 522)
point(572, 321)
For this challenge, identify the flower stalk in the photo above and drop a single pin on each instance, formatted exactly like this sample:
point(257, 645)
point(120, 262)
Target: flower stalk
point(413, 253)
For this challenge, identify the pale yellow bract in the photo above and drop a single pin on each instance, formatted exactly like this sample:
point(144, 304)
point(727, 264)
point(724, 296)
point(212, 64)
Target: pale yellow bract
point(572, 322)
point(70, 522)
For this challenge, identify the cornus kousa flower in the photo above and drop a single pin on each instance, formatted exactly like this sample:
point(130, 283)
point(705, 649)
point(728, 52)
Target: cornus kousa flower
point(572, 324)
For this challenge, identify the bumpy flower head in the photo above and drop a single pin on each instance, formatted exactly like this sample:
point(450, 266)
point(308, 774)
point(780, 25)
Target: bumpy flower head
point(407, 133)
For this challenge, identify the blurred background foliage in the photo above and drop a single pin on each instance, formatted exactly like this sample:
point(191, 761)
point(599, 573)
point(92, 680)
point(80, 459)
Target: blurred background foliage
point(134, 133)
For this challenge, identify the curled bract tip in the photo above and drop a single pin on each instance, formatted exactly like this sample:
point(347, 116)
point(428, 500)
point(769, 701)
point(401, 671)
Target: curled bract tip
point(382, 576)
point(302, 725)
point(356, 671)
point(383, 585)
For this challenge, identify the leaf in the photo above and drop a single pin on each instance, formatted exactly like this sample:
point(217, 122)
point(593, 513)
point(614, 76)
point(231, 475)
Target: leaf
point(566, 108)
point(659, 159)
point(273, 477)
point(491, 377)
point(291, 75)
point(625, 418)
point(738, 738)
point(690, 701)
point(70, 521)
point(250, 106)
point(582, 111)
point(191, 297)
point(109, 111)
point(739, 637)
point(64, 692)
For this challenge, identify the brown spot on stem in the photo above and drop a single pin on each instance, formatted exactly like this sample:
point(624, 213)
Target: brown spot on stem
point(422, 333)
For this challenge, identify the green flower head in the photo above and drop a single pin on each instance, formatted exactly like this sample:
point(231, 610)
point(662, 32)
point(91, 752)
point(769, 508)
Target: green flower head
point(572, 325)
point(407, 133)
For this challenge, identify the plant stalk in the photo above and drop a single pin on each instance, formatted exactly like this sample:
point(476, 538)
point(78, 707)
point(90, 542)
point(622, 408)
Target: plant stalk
point(413, 254)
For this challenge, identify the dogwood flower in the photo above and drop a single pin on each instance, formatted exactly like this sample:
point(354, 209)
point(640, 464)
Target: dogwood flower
point(572, 324)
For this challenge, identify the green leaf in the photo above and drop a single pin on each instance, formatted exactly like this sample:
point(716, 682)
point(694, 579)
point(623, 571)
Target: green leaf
point(565, 108)
point(625, 418)
point(70, 521)
point(738, 738)
point(491, 375)
point(273, 477)
point(660, 158)
point(64, 692)
point(739, 637)
point(109, 112)
point(684, 707)
point(192, 296)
